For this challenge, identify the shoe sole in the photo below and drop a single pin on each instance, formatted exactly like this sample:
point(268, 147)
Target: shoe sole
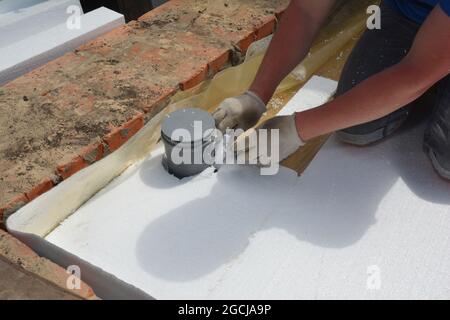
point(444, 173)
point(369, 138)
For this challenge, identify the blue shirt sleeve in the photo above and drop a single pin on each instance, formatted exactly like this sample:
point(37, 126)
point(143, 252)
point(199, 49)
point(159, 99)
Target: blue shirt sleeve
point(445, 5)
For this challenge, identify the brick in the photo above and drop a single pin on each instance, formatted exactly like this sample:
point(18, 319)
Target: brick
point(122, 134)
point(86, 157)
point(219, 62)
point(20, 250)
point(266, 29)
point(245, 42)
point(107, 43)
point(195, 79)
point(76, 97)
point(41, 188)
point(16, 252)
point(187, 64)
point(11, 207)
point(279, 12)
point(160, 98)
point(92, 153)
point(67, 170)
point(43, 78)
point(173, 5)
point(113, 140)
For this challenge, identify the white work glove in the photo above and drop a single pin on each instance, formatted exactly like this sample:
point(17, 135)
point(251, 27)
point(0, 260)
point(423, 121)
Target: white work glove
point(241, 112)
point(249, 143)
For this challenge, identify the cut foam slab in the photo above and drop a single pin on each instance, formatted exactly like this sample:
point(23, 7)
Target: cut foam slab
point(25, 22)
point(28, 54)
point(13, 5)
point(315, 92)
point(360, 223)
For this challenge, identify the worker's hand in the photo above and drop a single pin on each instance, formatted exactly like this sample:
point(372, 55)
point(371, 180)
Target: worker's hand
point(241, 112)
point(263, 151)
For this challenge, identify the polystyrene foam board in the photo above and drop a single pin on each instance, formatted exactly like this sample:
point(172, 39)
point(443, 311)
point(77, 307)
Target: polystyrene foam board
point(360, 223)
point(315, 92)
point(28, 54)
point(16, 5)
point(23, 23)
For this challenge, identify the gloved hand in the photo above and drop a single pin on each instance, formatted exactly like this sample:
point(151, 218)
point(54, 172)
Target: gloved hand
point(276, 148)
point(241, 112)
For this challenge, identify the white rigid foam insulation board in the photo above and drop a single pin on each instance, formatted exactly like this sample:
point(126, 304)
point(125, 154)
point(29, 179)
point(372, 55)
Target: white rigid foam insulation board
point(23, 56)
point(315, 92)
point(360, 223)
point(32, 18)
point(16, 5)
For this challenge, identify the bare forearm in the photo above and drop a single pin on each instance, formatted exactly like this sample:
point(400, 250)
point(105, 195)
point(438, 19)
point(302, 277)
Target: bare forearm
point(389, 90)
point(290, 45)
point(372, 99)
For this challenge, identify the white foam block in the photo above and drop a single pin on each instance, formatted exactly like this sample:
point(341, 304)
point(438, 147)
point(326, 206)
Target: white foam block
point(28, 54)
point(15, 5)
point(23, 23)
point(315, 92)
point(360, 223)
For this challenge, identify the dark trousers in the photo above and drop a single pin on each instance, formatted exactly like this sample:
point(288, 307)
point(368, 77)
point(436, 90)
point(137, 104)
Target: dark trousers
point(381, 49)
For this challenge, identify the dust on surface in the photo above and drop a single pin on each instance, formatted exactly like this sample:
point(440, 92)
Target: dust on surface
point(39, 133)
